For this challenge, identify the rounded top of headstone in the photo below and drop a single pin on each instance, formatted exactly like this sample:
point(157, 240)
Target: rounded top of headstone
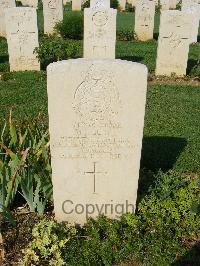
point(58, 66)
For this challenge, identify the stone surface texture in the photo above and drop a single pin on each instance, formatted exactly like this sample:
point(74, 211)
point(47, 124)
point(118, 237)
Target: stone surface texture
point(96, 117)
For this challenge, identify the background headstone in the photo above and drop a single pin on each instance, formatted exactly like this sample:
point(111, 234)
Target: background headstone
point(31, 3)
point(132, 2)
point(22, 38)
point(172, 4)
point(3, 5)
point(173, 43)
point(193, 10)
point(65, 2)
point(164, 4)
point(99, 32)
point(122, 5)
point(191, 4)
point(76, 5)
point(100, 3)
point(144, 20)
point(53, 13)
point(96, 116)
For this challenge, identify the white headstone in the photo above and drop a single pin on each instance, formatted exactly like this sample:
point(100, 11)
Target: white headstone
point(195, 21)
point(65, 2)
point(173, 43)
point(100, 4)
point(53, 13)
point(76, 5)
point(122, 5)
point(22, 38)
point(99, 32)
point(165, 4)
point(172, 4)
point(144, 20)
point(132, 2)
point(31, 3)
point(96, 116)
point(191, 4)
point(3, 5)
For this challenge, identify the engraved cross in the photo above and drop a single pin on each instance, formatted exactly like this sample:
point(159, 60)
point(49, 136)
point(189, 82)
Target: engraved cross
point(94, 173)
point(22, 35)
point(174, 39)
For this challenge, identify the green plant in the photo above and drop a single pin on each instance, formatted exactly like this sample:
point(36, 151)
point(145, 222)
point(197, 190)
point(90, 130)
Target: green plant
point(25, 165)
point(125, 35)
point(10, 165)
point(7, 76)
point(114, 4)
point(86, 4)
point(52, 49)
point(40, 5)
point(130, 7)
point(71, 27)
point(19, 3)
point(152, 236)
point(49, 243)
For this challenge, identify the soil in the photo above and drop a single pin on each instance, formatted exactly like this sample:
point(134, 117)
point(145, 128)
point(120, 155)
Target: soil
point(16, 239)
point(190, 81)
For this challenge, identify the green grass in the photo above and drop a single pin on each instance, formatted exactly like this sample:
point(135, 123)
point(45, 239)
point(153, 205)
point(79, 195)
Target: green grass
point(126, 20)
point(171, 128)
point(142, 52)
point(171, 134)
point(4, 65)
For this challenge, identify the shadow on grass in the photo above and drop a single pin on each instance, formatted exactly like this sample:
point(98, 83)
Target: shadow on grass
point(132, 58)
point(157, 153)
point(161, 152)
point(155, 36)
point(192, 257)
point(4, 59)
point(192, 63)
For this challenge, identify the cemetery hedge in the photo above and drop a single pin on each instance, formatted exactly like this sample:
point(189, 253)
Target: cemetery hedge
point(166, 227)
point(72, 26)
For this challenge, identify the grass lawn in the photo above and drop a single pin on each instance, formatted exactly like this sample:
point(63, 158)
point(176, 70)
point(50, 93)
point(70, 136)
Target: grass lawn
point(137, 51)
point(141, 52)
point(171, 135)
